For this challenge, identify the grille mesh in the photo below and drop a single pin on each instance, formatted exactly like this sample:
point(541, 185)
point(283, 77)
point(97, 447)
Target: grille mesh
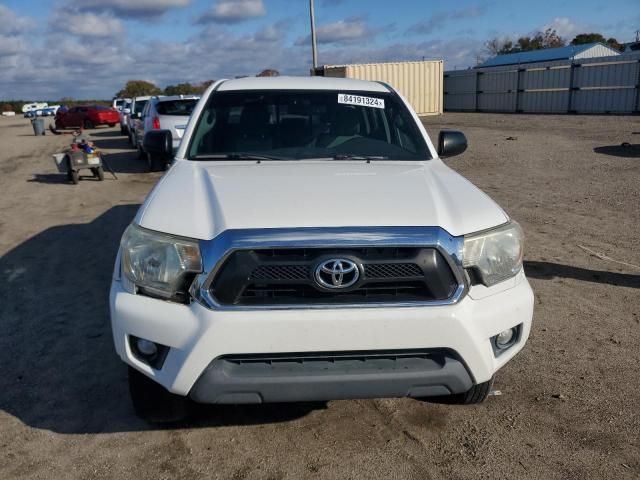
point(392, 270)
point(286, 276)
point(280, 272)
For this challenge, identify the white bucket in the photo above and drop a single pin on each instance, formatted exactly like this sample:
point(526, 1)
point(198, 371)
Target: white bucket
point(60, 163)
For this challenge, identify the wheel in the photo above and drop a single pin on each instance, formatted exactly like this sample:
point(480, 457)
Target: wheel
point(141, 154)
point(153, 403)
point(475, 395)
point(72, 175)
point(67, 162)
point(112, 125)
point(132, 140)
point(88, 125)
point(123, 130)
point(59, 125)
point(98, 172)
point(154, 164)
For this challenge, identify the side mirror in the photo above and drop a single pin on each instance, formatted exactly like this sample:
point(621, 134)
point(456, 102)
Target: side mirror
point(451, 143)
point(159, 143)
point(126, 111)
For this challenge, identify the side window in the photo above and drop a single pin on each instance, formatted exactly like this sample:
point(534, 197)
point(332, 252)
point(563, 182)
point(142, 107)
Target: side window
point(203, 138)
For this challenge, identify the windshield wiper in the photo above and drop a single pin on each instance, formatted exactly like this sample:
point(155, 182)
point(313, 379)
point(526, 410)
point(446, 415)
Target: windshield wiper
point(352, 156)
point(236, 156)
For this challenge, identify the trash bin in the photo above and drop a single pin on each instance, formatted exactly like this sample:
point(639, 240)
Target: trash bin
point(38, 126)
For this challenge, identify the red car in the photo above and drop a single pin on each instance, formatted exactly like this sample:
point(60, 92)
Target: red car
point(87, 117)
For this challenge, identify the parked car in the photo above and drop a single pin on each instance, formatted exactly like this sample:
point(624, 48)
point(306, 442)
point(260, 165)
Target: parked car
point(124, 117)
point(309, 243)
point(137, 106)
point(86, 116)
point(118, 103)
point(50, 111)
point(164, 113)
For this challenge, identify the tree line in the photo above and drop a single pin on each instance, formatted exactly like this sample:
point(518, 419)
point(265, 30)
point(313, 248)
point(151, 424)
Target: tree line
point(547, 39)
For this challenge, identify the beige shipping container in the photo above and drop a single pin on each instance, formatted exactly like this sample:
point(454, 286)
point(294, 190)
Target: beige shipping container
point(421, 83)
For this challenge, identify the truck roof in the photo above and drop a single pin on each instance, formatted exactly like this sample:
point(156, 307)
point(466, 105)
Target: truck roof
point(170, 98)
point(301, 83)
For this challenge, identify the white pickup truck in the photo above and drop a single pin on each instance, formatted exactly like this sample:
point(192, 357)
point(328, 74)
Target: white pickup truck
point(308, 243)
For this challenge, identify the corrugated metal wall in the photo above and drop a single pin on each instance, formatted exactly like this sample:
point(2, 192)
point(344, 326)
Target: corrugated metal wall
point(591, 85)
point(421, 83)
point(596, 51)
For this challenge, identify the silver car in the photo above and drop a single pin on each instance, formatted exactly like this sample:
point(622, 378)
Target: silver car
point(164, 113)
point(138, 105)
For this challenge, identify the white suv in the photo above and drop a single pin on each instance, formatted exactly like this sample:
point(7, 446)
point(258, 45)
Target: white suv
point(164, 113)
point(308, 243)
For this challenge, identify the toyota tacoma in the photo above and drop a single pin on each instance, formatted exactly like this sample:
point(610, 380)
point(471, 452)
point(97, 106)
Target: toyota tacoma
point(308, 243)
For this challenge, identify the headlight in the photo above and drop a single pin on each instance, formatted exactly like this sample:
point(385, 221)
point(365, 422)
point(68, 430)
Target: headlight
point(494, 255)
point(159, 264)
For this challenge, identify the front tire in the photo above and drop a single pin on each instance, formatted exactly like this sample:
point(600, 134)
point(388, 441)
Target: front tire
point(153, 403)
point(98, 172)
point(88, 125)
point(112, 125)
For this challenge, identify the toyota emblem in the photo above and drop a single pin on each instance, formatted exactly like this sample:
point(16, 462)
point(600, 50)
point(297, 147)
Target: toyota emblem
point(337, 273)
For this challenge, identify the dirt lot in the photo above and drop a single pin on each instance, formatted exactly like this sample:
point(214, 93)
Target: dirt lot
point(569, 406)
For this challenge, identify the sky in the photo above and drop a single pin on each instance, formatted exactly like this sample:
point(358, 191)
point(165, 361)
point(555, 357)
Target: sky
point(84, 49)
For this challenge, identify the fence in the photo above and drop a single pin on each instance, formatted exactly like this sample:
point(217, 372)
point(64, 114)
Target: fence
point(592, 85)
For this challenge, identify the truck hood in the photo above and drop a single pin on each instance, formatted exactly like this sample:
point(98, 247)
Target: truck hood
point(202, 199)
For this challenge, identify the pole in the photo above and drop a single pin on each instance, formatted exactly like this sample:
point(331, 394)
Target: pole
point(313, 37)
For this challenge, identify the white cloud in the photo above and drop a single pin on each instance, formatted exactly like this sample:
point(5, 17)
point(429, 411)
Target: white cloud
point(129, 8)
point(10, 23)
point(98, 43)
point(439, 19)
point(11, 46)
point(564, 27)
point(92, 25)
point(233, 11)
point(345, 31)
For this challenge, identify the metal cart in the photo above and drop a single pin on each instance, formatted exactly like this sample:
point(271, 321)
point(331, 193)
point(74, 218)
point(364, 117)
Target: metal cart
point(72, 161)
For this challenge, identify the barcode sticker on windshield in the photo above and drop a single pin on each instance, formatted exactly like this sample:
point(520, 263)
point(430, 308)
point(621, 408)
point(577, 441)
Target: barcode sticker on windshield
point(349, 99)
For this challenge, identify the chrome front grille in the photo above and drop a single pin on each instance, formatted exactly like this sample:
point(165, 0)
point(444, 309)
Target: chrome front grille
point(276, 268)
point(391, 274)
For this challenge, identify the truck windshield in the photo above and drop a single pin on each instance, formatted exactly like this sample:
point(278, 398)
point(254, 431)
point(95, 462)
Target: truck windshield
point(294, 124)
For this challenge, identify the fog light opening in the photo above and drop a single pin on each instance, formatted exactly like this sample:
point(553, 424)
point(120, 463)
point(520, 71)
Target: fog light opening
point(149, 352)
point(146, 347)
point(506, 338)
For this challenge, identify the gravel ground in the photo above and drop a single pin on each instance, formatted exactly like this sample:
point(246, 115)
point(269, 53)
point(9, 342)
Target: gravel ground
point(569, 405)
